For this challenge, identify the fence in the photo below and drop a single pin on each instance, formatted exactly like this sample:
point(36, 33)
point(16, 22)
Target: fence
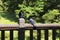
point(21, 27)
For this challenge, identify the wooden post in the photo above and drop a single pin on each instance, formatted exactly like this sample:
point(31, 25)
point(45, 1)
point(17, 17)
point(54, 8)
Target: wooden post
point(11, 34)
point(46, 34)
point(54, 34)
point(22, 22)
point(21, 33)
point(2, 35)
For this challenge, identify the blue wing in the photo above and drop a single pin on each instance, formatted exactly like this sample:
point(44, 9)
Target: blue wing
point(21, 15)
point(32, 21)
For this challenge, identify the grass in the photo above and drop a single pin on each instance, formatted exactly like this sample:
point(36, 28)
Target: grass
point(7, 18)
point(6, 21)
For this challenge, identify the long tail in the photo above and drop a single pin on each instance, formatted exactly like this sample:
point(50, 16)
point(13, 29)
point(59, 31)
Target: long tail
point(34, 26)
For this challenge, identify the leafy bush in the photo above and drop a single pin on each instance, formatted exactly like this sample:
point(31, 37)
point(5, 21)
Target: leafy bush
point(51, 16)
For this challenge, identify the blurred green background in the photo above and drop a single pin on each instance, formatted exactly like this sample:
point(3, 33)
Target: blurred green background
point(43, 11)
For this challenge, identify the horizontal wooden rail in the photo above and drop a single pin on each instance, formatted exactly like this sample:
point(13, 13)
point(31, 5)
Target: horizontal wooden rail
point(27, 26)
point(9, 26)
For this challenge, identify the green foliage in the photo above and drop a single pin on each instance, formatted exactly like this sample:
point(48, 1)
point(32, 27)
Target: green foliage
point(51, 16)
point(31, 8)
point(42, 10)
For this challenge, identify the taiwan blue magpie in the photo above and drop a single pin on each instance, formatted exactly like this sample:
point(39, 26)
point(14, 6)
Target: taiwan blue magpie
point(32, 22)
point(21, 15)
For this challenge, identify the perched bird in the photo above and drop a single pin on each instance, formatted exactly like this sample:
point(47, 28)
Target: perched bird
point(32, 22)
point(21, 15)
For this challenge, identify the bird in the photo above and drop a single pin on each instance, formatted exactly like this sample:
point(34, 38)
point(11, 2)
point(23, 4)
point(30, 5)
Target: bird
point(32, 22)
point(21, 15)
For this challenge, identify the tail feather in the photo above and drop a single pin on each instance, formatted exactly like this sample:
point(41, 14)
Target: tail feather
point(34, 26)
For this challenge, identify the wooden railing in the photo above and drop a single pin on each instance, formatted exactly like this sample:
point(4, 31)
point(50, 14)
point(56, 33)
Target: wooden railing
point(21, 27)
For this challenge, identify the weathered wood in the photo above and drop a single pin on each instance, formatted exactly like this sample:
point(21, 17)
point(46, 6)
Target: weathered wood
point(2, 35)
point(21, 30)
point(21, 22)
point(11, 34)
point(8, 26)
point(38, 34)
point(31, 34)
point(54, 34)
point(43, 25)
point(46, 34)
point(21, 34)
point(28, 26)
